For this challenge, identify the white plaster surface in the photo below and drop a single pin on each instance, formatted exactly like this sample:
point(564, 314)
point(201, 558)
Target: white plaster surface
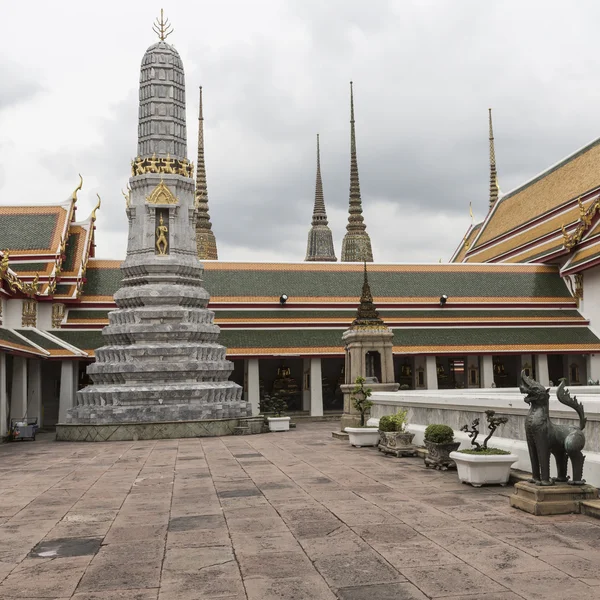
point(459, 407)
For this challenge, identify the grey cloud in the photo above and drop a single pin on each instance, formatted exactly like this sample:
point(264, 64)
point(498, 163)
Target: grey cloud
point(17, 85)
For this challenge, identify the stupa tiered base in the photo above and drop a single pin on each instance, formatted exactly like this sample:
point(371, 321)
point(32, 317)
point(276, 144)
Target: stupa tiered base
point(120, 432)
point(559, 499)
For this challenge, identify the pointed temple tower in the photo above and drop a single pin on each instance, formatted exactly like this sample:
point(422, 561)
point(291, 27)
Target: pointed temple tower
point(356, 246)
point(162, 372)
point(205, 238)
point(369, 346)
point(320, 240)
point(494, 189)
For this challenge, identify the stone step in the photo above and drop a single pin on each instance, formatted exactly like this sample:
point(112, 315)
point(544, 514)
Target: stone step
point(591, 508)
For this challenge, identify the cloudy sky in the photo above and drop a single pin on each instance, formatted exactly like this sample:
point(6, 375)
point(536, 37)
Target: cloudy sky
point(276, 72)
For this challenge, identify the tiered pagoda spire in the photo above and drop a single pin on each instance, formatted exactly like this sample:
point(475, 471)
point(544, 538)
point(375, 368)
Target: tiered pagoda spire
point(494, 189)
point(367, 315)
point(320, 239)
point(356, 245)
point(205, 238)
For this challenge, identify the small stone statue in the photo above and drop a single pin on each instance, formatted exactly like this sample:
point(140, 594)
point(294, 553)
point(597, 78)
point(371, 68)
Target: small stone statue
point(161, 237)
point(544, 437)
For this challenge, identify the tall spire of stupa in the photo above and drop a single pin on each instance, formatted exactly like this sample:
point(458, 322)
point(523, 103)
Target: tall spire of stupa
point(494, 189)
point(161, 364)
point(320, 240)
point(205, 238)
point(356, 245)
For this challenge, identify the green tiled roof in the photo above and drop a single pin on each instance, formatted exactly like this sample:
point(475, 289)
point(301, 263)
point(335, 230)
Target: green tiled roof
point(86, 313)
point(40, 340)
point(26, 231)
point(426, 283)
point(9, 336)
point(467, 336)
point(284, 314)
point(84, 340)
point(62, 289)
point(23, 267)
point(69, 262)
point(101, 282)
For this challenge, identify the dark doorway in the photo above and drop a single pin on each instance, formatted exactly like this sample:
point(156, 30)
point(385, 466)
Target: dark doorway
point(373, 365)
point(556, 368)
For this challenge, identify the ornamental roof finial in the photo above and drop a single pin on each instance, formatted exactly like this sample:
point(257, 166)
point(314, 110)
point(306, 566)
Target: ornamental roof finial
point(162, 28)
point(367, 315)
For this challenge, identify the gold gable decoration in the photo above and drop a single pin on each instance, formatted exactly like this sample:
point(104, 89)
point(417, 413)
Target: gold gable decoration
point(161, 194)
point(585, 221)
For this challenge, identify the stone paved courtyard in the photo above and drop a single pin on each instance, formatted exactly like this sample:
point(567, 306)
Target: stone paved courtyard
point(293, 515)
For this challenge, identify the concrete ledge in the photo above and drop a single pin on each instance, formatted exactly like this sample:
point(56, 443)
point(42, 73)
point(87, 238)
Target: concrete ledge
point(340, 435)
point(156, 431)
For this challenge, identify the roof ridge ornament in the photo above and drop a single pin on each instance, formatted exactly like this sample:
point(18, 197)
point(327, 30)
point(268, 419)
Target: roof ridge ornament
point(162, 28)
point(367, 316)
point(77, 189)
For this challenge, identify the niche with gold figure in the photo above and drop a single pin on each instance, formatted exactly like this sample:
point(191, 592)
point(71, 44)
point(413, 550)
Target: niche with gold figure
point(162, 231)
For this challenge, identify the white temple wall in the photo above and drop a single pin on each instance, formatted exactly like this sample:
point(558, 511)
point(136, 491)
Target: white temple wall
point(459, 407)
point(590, 304)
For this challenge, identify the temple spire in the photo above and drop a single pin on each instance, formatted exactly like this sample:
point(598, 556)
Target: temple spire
point(494, 189)
point(356, 245)
point(320, 239)
point(367, 315)
point(205, 238)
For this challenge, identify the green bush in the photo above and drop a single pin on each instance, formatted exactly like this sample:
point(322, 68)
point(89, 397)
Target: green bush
point(405, 386)
point(439, 434)
point(395, 422)
point(484, 451)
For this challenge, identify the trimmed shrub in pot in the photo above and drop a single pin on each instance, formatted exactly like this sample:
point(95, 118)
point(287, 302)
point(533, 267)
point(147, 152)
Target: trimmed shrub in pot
point(393, 437)
point(439, 441)
point(363, 435)
point(277, 406)
point(481, 465)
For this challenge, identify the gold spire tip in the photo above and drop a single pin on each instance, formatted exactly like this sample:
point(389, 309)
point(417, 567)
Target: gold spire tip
point(162, 27)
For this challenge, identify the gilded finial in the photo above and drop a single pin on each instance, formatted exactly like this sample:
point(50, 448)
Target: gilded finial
point(162, 28)
point(77, 189)
point(96, 208)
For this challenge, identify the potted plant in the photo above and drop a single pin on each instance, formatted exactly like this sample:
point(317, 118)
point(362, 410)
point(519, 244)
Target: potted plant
point(393, 437)
point(276, 405)
point(481, 465)
point(439, 441)
point(363, 435)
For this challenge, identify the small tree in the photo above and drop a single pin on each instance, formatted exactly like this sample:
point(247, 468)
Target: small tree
point(274, 404)
point(360, 398)
point(493, 423)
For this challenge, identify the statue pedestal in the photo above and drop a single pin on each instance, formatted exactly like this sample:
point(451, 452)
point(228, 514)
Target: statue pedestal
point(559, 499)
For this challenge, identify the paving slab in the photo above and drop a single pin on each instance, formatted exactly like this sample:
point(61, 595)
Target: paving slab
point(296, 516)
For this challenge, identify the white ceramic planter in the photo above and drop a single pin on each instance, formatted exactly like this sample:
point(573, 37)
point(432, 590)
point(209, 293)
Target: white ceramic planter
point(363, 436)
point(483, 469)
point(278, 423)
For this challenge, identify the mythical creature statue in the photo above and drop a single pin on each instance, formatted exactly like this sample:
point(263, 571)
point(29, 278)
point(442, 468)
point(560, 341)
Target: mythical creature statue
point(544, 437)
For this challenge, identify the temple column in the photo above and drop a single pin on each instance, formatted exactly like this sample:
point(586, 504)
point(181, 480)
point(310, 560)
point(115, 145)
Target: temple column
point(3, 398)
point(34, 390)
point(68, 388)
point(18, 393)
point(253, 383)
point(306, 384)
point(431, 373)
point(316, 388)
point(593, 367)
point(487, 368)
point(541, 369)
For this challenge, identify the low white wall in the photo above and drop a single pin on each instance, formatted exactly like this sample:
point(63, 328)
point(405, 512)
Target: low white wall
point(459, 407)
